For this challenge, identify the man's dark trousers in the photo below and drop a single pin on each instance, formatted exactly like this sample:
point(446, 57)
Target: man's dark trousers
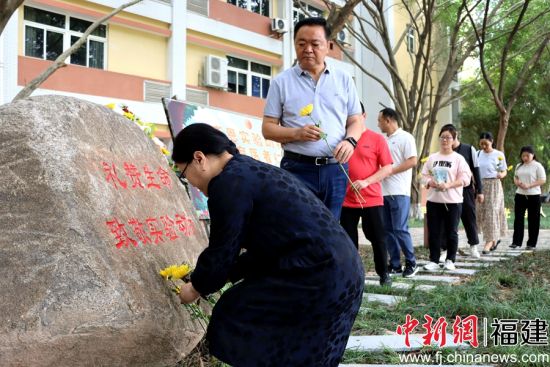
point(468, 215)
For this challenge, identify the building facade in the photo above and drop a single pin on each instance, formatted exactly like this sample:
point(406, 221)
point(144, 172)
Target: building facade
point(221, 54)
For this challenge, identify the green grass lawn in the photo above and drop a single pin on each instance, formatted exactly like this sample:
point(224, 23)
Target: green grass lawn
point(518, 288)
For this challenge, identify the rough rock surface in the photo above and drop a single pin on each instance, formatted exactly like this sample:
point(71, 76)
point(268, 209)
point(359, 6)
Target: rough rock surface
point(79, 283)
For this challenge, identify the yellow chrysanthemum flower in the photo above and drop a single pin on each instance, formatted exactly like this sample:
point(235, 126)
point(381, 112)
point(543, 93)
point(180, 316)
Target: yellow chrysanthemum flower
point(181, 271)
point(307, 110)
point(175, 271)
point(165, 151)
point(510, 167)
point(167, 272)
point(129, 115)
point(111, 106)
point(500, 158)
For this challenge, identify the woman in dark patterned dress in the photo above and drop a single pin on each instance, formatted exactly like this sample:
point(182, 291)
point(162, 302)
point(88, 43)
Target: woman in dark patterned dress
point(299, 282)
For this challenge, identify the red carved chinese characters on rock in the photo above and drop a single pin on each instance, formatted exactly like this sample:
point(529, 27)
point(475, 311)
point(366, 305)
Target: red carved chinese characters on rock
point(150, 230)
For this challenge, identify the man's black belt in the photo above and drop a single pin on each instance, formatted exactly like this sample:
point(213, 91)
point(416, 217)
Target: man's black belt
point(318, 161)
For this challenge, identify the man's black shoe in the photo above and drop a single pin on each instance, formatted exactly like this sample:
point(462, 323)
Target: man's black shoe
point(385, 280)
point(395, 271)
point(410, 270)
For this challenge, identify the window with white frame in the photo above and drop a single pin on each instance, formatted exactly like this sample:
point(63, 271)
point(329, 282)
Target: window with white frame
point(48, 34)
point(248, 78)
point(256, 6)
point(410, 39)
point(301, 10)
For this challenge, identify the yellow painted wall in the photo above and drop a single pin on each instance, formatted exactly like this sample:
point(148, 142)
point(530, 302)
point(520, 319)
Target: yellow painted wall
point(402, 56)
point(197, 53)
point(195, 62)
point(133, 52)
point(403, 59)
point(124, 45)
point(106, 9)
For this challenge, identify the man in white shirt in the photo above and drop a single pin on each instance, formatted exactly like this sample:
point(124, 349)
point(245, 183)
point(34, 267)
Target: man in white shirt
point(396, 189)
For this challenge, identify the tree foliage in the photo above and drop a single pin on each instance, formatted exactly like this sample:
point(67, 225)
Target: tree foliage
point(509, 51)
point(529, 122)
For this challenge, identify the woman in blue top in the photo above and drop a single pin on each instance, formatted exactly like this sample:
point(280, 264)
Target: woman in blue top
point(298, 277)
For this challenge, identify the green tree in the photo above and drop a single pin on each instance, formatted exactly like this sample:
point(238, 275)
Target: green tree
point(509, 51)
point(529, 121)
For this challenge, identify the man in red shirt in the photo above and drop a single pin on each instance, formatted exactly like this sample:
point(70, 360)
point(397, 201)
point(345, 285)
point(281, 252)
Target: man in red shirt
point(370, 163)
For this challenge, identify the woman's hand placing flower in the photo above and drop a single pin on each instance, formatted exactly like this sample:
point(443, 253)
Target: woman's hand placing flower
point(188, 294)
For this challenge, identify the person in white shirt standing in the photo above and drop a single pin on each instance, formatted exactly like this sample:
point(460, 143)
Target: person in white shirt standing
point(529, 178)
point(396, 190)
point(491, 218)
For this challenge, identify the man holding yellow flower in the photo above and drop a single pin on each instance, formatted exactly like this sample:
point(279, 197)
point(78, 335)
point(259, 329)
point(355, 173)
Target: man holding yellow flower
point(333, 113)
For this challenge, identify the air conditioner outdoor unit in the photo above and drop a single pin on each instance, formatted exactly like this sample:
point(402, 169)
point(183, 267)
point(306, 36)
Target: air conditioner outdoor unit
point(279, 25)
point(215, 71)
point(343, 37)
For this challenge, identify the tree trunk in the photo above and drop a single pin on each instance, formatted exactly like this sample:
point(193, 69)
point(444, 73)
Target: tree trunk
point(6, 10)
point(504, 119)
point(416, 197)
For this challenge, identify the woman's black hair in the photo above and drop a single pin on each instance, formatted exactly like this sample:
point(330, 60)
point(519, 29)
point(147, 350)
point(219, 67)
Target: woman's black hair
point(200, 137)
point(528, 149)
point(486, 135)
point(450, 128)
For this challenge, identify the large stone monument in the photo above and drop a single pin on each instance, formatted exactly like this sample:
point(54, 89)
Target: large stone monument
point(89, 213)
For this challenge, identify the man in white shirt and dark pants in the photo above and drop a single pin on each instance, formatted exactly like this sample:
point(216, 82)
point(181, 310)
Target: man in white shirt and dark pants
point(396, 189)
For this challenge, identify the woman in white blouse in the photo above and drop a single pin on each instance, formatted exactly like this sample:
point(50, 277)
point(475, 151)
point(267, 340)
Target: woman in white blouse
point(491, 218)
point(529, 178)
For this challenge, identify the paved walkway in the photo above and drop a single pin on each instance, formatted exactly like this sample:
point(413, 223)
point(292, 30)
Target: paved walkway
point(417, 235)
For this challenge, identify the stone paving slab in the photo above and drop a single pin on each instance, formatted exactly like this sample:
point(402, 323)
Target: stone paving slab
point(417, 235)
point(482, 258)
point(386, 299)
point(460, 264)
point(396, 343)
point(400, 285)
point(453, 272)
point(432, 278)
point(509, 253)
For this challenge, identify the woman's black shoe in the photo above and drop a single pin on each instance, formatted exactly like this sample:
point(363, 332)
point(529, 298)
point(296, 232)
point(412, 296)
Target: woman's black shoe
point(494, 247)
point(513, 245)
